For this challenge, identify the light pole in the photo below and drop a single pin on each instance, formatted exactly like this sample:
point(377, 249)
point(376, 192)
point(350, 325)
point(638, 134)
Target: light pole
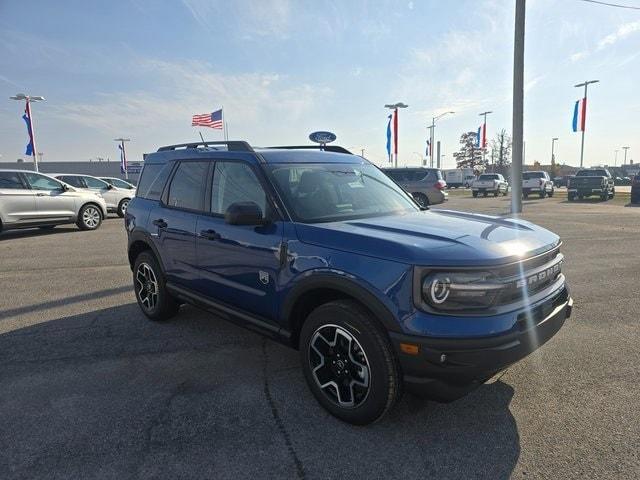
point(518, 107)
point(584, 120)
point(395, 107)
point(615, 158)
point(123, 156)
point(625, 154)
point(553, 157)
point(29, 119)
point(484, 126)
point(432, 135)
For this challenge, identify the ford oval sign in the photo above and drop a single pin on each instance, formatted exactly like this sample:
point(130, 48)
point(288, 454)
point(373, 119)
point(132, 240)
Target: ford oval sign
point(322, 137)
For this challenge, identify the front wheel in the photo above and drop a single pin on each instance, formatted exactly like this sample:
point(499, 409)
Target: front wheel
point(475, 194)
point(122, 207)
point(151, 292)
point(89, 217)
point(348, 362)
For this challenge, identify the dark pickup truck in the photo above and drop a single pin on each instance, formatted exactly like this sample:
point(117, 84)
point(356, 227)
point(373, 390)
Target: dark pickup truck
point(590, 182)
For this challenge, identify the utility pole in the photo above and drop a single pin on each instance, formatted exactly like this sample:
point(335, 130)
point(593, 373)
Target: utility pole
point(625, 154)
point(29, 119)
point(518, 106)
point(481, 141)
point(123, 156)
point(584, 113)
point(615, 158)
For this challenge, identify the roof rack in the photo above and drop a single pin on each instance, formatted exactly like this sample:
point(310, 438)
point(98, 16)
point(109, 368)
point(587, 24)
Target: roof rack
point(232, 146)
point(328, 148)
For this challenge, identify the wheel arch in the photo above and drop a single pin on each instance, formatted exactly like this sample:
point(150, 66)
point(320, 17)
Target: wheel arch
point(95, 204)
point(140, 242)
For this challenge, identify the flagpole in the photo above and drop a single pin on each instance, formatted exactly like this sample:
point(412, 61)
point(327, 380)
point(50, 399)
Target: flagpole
point(224, 124)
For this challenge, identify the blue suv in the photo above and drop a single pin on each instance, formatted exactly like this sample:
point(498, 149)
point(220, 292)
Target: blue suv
point(320, 250)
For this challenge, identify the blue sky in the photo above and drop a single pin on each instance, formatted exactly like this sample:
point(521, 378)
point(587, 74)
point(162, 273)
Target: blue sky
point(282, 69)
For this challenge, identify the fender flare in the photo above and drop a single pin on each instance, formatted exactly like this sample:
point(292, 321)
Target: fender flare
point(141, 236)
point(343, 284)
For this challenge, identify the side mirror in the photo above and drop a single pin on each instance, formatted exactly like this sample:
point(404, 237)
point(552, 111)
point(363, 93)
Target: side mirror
point(64, 187)
point(109, 186)
point(244, 213)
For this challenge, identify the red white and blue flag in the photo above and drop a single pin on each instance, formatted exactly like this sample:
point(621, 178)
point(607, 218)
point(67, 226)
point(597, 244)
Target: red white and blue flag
point(481, 136)
point(211, 120)
point(123, 158)
point(428, 149)
point(27, 118)
point(579, 115)
point(392, 135)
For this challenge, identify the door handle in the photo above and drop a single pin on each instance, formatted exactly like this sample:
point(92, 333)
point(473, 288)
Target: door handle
point(40, 194)
point(160, 223)
point(210, 234)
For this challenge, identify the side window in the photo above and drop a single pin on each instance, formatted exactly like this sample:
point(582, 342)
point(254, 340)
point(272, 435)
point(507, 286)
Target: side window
point(10, 180)
point(94, 182)
point(235, 182)
point(40, 182)
point(152, 180)
point(187, 186)
point(73, 181)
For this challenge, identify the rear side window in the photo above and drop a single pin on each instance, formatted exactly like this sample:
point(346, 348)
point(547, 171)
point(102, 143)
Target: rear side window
point(95, 182)
point(187, 187)
point(152, 180)
point(10, 180)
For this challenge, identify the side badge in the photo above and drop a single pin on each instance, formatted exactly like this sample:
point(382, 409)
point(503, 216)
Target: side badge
point(263, 276)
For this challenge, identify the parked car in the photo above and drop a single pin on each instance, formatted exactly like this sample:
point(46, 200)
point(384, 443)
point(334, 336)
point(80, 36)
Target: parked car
point(490, 183)
point(117, 198)
point(589, 182)
point(635, 189)
point(30, 199)
point(459, 177)
point(118, 182)
point(320, 250)
point(425, 184)
point(537, 182)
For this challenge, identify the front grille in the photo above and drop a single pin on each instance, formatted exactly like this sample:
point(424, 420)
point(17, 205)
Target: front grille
point(536, 315)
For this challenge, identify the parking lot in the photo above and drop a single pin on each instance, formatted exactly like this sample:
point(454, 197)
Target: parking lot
point(90, 388)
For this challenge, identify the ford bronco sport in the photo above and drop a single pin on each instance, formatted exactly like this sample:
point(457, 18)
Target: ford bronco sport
point(320, 250)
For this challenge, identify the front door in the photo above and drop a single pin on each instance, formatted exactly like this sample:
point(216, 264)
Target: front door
point(173, 222)
point(17, 201)
point(110, 195)
point(53, 202)
point(239, 264)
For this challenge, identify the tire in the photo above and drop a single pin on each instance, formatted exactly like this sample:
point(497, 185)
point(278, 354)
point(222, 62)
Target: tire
point(374, 383)
point(475, 194)
point(496, 193)
point(604, 197)
point(612, 194)
point(580, 197)
point(89, 217)
point(550, 194)
point(484, 194)
point(525, 196)
point(122, 207)
point(421, 198)
point(542, 193)
point(571, 197)
point(150, 288)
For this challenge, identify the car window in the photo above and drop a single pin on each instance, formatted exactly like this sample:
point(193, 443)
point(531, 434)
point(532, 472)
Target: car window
point(187, 186)
point(119, 183)
point(40, 182)
point(488, 177)
point(10, 180)
point(592, 173)
point(531, 175)
point(95, 182)
point(235, 182)
point(152, 180)
point(73, 180)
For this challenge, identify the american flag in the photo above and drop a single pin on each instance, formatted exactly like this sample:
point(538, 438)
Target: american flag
point(213, 120)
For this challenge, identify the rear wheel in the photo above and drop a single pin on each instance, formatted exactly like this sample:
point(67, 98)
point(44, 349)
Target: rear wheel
point(421, 198)
point(551, 193)
point(150, 287)
point(348, 362)
point(122, 207)
point(89, 217)
point(542, 193)
point(475, 194)
point(571, 196)
point(525, 195)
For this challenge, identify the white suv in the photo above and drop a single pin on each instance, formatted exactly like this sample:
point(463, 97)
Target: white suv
point(537, 182)
point(30, 199)
point(117, 198)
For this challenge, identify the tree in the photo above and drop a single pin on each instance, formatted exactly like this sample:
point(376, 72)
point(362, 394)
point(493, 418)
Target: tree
point(470, 155)
point(501, 152)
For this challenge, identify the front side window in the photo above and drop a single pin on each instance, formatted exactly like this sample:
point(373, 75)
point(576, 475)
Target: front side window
point(40, 182)
point(152, 180)
point(116, 182)
point(235, 182)
point(187, 186)
point(10, 180)
point(330, 192)
point(95, 183)
point(73, 180)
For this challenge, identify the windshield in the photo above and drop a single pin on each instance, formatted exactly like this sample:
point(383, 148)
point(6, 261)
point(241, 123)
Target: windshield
point(488, 177)
point(591, 173)
point(530, 175)
point(329, 192)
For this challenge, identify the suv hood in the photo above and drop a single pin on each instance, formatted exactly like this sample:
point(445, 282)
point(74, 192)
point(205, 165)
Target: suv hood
point(434, 237)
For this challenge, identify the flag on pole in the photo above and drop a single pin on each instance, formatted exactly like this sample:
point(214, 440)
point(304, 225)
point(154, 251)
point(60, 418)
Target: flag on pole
point(481, 136)
point(123, 158)
point(428, 150)
point(395, 133)
point(579, 115)
point(389, 137)
point(211, 120)
point(27, 118)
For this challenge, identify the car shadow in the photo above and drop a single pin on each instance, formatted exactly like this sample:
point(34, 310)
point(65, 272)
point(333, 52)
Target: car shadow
point(37, 232)
point(109, 393)
point(633, 205)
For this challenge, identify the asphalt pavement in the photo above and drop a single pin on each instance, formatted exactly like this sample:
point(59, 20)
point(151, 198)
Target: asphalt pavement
point(90, 389)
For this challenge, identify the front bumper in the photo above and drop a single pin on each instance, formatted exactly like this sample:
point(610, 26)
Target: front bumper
point(447, 369)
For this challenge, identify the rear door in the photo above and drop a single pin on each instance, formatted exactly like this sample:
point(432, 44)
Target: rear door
point(17, 201)
point(239, 264)
point(53, 202)
point(172, 222)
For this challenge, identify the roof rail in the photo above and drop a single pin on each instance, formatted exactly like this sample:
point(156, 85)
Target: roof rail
point(328, 148)
point(232, 146)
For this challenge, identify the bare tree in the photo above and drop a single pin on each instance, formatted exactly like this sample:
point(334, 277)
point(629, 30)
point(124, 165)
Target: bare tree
point(501, 152)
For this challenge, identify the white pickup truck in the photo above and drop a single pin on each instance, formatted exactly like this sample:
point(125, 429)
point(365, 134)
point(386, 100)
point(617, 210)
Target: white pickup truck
point(537, 182)
point(489, 183)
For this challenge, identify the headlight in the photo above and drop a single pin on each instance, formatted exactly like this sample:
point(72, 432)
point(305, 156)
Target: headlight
point(452, 291)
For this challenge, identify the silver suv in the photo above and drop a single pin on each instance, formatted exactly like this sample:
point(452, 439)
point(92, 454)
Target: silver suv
point(426, 185)
point(30, 199)
point(117, 198)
